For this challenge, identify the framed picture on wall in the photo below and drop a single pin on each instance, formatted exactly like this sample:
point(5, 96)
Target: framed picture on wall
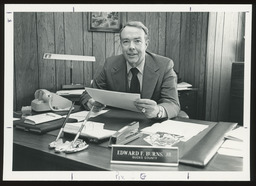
point(104, 21)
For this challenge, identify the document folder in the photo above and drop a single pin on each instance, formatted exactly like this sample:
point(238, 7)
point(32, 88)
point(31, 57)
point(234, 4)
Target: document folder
point(205, 149)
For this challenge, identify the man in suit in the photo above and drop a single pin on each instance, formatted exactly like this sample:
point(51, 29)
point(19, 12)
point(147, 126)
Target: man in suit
point(139, 71)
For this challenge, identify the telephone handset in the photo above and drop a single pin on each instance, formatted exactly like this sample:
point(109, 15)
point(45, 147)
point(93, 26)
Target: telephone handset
point(46, 101)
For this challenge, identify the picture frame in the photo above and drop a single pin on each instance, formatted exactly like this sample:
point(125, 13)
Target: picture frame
point(104, 21)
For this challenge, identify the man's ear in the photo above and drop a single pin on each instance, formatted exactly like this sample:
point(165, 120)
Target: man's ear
point(147, 43)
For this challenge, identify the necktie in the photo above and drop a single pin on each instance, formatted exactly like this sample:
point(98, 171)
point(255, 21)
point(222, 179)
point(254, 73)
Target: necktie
point(135, 84)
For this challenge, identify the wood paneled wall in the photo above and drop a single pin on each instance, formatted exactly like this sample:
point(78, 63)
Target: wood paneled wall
point(182, 36)
point(225, 45)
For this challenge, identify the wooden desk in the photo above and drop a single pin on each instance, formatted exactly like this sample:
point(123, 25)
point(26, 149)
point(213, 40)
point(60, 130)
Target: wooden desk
point(30, 151)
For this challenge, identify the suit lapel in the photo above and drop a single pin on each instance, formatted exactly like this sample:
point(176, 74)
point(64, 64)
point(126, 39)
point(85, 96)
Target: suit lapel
point(119, 75)
point(150, 77)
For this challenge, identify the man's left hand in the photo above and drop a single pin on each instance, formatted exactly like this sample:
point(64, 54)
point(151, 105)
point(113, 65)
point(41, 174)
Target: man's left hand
point(148, 107)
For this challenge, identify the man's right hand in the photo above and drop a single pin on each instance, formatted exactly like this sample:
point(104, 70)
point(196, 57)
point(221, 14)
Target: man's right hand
point(97, 106)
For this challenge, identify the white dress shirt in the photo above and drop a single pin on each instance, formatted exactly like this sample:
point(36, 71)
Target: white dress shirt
point(140, 67)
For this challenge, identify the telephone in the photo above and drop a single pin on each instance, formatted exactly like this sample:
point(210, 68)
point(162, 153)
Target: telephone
point(46, 101)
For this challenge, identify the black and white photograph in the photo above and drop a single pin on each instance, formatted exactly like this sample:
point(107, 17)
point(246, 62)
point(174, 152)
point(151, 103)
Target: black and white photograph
point(104, 21)
point(129, 93)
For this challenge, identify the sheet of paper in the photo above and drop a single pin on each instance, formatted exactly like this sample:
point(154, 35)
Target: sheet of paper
point(237, 134)
point(184, 85)
point(231, 152)
point(185, 129)
point(115, 99)
point(80, 116)
point(232, 148)
point(231, 144)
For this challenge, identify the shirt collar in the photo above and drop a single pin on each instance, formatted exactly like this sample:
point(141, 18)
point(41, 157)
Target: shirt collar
point(140, 67)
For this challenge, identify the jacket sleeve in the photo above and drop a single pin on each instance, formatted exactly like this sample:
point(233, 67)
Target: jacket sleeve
point(169, 94)
point(99, 82)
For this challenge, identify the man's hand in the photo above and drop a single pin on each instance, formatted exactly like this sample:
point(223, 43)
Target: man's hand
point(97, 106)
point(148, 107)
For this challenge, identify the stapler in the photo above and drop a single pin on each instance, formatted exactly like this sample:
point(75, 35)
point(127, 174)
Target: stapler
point(126, 134)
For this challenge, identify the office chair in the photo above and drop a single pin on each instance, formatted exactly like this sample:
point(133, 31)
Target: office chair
point(183, 114)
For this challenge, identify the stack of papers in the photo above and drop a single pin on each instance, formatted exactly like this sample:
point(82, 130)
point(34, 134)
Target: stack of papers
point(184, 86)
point(185, 129)
point(234, 143)
point(237, 134)
point(231, 148)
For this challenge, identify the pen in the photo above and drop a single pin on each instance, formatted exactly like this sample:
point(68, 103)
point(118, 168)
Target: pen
point(65, 121)
point(82, 126)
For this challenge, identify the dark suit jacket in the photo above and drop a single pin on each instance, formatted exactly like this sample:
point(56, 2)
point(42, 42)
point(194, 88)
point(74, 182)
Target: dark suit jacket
point(159, 81)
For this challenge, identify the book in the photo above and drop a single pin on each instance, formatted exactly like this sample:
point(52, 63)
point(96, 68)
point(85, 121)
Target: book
point(41, 118)
point(42, 127)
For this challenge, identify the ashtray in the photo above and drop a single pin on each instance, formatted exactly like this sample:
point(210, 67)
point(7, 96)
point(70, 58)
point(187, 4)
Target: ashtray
point(164, 139)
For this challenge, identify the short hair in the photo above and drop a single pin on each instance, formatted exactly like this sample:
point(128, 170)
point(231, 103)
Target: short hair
point(136, 24)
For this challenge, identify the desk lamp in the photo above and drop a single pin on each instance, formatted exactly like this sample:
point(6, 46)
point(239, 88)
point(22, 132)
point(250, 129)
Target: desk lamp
point(70, 58)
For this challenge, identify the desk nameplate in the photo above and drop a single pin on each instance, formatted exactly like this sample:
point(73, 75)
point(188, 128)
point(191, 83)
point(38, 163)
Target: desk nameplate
point(147, 155)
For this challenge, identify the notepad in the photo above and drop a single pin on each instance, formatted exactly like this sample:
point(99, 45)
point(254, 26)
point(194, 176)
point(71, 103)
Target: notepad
point(41, 118)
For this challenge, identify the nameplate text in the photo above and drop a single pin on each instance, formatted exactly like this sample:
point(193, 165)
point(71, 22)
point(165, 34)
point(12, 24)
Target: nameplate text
point(148, 155)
